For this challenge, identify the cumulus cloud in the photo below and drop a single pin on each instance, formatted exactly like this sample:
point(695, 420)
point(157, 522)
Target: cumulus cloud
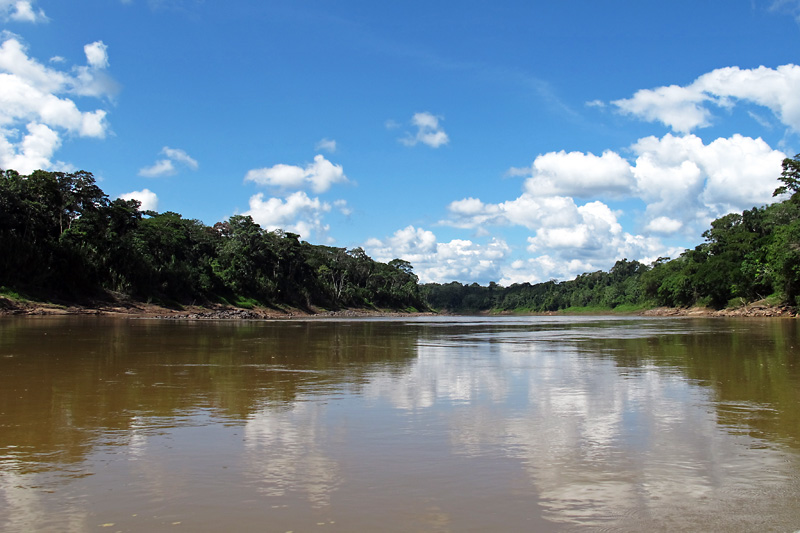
point(148, 199)
point(527, 210)
point(579, 174)
point(686, 108)
point(543, 268)
point(664, 225)
point(319, 175)
point(37, 98)
point(596, 239)
point(561, 252)
point(33, 151)
point(692, 183)
point(677, 177)
point(96, 54)
point(681, 182)
point(673, 185)
point(441, 262)
point(297, 213)
point(166, 166)
point(21, 11)
point(429, 131)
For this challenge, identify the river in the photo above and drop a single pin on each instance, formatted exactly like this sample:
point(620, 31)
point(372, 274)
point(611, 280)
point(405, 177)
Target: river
point(429, 424)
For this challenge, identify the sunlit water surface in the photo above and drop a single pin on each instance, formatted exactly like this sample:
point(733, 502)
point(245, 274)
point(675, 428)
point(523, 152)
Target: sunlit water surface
point(427, 424)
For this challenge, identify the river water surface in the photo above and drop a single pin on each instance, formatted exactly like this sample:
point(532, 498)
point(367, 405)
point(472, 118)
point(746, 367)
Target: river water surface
point(423, 424)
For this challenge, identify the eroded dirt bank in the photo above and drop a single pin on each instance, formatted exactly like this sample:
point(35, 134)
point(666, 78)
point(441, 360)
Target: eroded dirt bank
point(752, 310)
point(134, 309)
point(191, 312)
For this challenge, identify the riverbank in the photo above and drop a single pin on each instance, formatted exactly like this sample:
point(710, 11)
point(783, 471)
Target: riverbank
point(755, 309)
point(133, 309)
point(748, 310)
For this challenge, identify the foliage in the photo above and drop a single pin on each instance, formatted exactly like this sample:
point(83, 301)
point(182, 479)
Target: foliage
point(60, 235)
point(790, 177)
point(746, 257)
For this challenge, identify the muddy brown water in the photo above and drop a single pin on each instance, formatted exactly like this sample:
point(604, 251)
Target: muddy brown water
point(425, 424)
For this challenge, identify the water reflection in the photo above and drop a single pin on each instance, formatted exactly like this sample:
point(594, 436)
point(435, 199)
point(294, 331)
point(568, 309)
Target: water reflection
point(286, 452)
point(417, 425)
point(608, 426)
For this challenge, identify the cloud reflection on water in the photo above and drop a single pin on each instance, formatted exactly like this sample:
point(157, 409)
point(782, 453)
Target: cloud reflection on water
point(602, 446)
point(285, 452)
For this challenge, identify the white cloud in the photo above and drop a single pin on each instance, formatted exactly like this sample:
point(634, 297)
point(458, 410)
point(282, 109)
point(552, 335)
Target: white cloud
point(543, 268)
point(296, 213)
point(162, 167)
point(429, 131)
point(166, 167)
point(179, 156)
point(21, 11)
point(36, 97)
point(527, 210)
point(561, 253)
point(327, 145)
point(680, 182)
point(686, 108)
point(578, 174)
point(664, 225)
point(596, 239)
point(692, 183)
point(678, 177)
point(148, 199)
point(96, 54)
point(680, 108)
point(34, 151)
point(319, 175)
point(280, 175)
point(441, 262)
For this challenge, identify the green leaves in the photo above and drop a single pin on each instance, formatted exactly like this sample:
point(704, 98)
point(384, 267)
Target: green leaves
point(60, 234)
point(790, 177)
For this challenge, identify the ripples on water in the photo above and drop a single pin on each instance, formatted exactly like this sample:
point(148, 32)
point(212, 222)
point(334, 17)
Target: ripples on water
point(430, 424)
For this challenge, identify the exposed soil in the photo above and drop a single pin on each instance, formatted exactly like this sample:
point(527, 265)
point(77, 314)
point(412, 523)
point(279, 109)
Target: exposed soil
point(133, 309)
point(756, 309)
point(126, 308)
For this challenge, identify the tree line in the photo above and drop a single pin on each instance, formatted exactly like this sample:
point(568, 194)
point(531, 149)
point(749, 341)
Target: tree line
point(62, 237)
point(745, 257)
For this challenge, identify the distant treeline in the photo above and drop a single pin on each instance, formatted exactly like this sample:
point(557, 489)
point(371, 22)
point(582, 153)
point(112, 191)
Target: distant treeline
point(62, 237)
point(745, 257)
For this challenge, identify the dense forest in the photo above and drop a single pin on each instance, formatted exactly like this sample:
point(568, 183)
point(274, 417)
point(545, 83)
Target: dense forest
point(62, 237)
point(746, 257)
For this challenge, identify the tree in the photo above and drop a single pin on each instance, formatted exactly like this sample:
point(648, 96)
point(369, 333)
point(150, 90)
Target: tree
point(790, 177)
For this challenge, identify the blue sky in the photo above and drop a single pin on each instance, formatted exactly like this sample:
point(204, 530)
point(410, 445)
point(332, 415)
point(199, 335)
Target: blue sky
point(507, 141)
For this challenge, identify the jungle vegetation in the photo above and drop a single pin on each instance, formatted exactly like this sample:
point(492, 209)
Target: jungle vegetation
point(745, 257)
point(62, 237)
